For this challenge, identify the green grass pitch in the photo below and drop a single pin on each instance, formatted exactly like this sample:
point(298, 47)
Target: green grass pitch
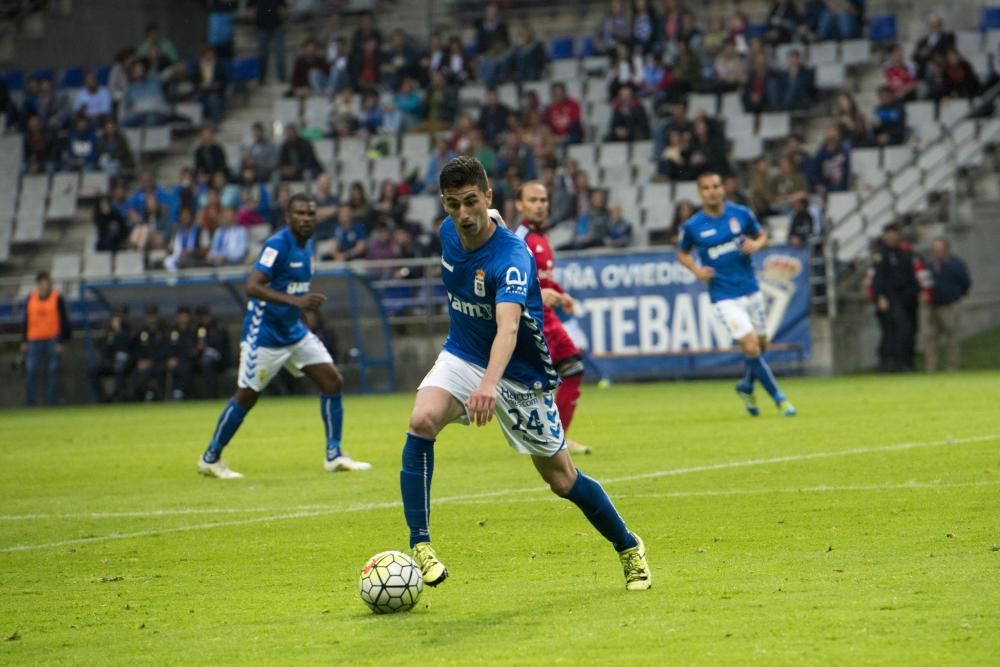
point(864, 531)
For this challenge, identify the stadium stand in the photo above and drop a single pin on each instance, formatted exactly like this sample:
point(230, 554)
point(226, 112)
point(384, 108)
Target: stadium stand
point(950, 131)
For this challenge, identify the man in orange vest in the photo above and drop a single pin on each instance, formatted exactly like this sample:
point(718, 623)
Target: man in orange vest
point(46, 327)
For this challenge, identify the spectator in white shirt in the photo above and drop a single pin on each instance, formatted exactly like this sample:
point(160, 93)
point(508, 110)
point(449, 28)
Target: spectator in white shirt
point(229, 243)
point(93, 99)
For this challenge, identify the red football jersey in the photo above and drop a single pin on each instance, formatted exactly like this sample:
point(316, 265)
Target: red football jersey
point(540, 249)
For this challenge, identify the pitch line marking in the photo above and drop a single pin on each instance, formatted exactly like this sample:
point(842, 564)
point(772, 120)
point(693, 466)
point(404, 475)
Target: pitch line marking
point(506, 492)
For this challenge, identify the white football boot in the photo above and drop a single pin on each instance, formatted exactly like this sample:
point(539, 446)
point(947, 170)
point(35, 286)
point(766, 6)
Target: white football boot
point(346, 463)
point(219, 470)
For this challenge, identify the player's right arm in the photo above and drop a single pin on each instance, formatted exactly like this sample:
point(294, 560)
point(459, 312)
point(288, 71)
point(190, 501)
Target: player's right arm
point(482, 401)
point(257, 287)
point(261, 273)
point(684, 247)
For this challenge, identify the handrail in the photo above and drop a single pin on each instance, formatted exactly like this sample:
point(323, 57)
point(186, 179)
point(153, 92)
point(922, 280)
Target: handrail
point(945, 137)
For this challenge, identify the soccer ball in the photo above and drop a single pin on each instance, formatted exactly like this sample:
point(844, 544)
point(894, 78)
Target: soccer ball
point(391, 582)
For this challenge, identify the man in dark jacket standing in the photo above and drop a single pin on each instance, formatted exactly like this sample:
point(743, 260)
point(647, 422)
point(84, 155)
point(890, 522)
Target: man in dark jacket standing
point(951, 284)
point(896, 290)
point(269, 17)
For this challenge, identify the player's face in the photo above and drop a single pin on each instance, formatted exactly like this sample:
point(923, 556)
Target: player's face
point(468, 208)
point(302, 218)
point(711, 191)
point(533, 205)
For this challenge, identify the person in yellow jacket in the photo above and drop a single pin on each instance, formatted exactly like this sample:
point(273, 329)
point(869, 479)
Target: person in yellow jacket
point(46, 328)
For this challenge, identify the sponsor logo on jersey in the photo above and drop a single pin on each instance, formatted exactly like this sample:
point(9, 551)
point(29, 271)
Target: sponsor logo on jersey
point(483, 311)
point(297, 288)
point(516, 282)
point(707, 233)
point(717, 250)
point(479, 283)
point(734, 226)
point(295, 265)
point(516, 398)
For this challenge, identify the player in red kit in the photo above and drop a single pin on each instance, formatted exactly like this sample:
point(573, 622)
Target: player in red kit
point(533, 209)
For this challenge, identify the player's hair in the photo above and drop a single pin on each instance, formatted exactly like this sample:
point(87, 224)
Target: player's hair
point(708, 173)
point(520, 190)
point(462, 172)
point(43, 275)
point(298, 197)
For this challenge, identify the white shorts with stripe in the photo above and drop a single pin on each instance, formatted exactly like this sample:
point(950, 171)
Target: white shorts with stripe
point(259, 365)
point(743, 315)
point(528, 418)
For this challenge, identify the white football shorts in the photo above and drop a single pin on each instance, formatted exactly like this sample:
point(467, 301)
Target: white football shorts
point(259, 365)
point(743, 315)
point(528, 418)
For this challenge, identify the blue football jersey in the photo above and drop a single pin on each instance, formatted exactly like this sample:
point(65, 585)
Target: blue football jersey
point(501, 271)
point(289, 266)
point(718, 244)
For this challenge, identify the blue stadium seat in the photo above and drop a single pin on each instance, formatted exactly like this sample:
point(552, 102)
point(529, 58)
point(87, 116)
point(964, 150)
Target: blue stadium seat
point(72, 77)
point(561, 48)
point(587, 48)
point(245, 69)
point(989, 19)
point(882, 28)
point(103, 72)
point(47, 74)
point(14, 81)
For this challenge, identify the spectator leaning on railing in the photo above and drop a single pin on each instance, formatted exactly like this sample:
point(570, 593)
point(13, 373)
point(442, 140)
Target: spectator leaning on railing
point(951, 282)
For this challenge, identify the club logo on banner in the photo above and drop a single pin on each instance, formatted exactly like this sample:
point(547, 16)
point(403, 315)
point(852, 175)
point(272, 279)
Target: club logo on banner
point(645, 315)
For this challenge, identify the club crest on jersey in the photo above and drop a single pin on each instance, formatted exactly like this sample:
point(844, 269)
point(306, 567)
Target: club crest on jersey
point(479, 284)
point(734, 225)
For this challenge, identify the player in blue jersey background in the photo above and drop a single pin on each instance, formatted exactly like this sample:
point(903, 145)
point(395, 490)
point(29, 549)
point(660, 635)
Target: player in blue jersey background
point(495, 362)
point(274, 337)
point(725, 236)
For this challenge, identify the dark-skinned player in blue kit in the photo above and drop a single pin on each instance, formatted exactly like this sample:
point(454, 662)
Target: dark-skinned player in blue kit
point(274, 337)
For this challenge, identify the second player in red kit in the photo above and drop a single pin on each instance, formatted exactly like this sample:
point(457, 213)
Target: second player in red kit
point(533, 210)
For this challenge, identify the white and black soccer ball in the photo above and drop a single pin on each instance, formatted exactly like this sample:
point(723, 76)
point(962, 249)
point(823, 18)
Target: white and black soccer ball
point(391, 582)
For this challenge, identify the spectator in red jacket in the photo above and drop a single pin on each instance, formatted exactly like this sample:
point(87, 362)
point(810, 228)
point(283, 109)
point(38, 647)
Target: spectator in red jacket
point(563, 116)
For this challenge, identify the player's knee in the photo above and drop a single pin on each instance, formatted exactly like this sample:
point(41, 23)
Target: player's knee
point(423, 423)
point(751, 346)
point(560, 484)
point(245, 398)
point(334, 382)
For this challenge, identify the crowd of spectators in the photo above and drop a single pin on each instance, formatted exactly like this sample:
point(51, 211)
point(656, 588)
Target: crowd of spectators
point(382, 86)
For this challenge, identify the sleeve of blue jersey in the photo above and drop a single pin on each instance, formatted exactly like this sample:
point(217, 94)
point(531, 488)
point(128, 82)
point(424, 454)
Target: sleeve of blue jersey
point(751, 226)
point(270, 256)
point(686, 240)
point(514, 275)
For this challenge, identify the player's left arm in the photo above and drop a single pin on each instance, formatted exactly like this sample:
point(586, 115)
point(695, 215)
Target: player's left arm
point(482, 401)
point(754, 236)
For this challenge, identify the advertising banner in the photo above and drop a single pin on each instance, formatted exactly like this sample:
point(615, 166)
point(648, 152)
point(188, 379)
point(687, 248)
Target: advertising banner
point(644, 315)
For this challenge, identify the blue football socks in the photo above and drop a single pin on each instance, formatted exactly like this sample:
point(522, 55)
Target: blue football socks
point(332, 408)
point(746, 383)
point(762, 372)
point(593, 501)
point(229, 422)
point(415, 485)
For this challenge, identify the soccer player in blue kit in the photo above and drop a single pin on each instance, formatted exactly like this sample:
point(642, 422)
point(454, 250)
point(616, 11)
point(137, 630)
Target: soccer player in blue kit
point(275, 337)
point(495, 362)
point(725, 235)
